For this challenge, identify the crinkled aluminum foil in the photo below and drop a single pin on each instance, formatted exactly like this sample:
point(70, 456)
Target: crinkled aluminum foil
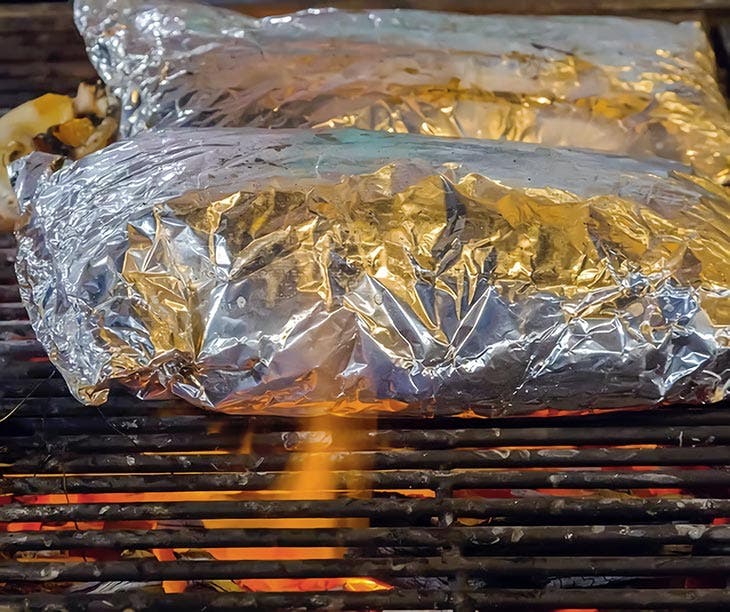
point(636, 87)
point(295, 272)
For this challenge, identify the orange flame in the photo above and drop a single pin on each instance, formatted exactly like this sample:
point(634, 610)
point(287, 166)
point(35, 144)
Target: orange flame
point(311, 479)
point(308, 476)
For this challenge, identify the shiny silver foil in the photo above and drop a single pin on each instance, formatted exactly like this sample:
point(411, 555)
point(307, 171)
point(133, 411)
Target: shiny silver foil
point(636, 87)
point(298, 272)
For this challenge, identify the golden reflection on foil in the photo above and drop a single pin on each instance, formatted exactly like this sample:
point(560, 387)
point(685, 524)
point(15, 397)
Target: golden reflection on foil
point(530, 241)
point(629, 117)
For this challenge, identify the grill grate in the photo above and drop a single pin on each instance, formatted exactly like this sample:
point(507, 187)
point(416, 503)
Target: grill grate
point(627, 510)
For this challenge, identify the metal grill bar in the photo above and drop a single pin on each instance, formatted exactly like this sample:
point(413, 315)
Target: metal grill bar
point(10, 293)
point(487, 459)
point(560, 537)
point(15, 312)
point(23, 349)
point(124, 407)
point(188, 436)
point(384, 568)
point(50, 462)
point(540, 508)
point(496, 599)
point(399, 479)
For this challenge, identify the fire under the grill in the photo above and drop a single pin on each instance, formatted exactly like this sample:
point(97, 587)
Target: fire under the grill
point(156, 505)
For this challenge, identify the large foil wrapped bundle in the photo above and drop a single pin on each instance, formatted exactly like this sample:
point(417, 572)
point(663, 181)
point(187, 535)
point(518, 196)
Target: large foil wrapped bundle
point(637, 87)
point(297, 272)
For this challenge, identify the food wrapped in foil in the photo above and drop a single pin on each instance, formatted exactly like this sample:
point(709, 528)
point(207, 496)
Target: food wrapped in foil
point(636, 87)
point(298, 271)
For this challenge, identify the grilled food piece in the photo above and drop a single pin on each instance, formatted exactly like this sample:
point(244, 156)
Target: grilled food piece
point(71, 126)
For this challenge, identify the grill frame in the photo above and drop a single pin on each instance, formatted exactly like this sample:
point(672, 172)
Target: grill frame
point(551, 518)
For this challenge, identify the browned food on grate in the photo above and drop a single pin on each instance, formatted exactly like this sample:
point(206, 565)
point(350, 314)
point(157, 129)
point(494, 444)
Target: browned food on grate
point(54, 123)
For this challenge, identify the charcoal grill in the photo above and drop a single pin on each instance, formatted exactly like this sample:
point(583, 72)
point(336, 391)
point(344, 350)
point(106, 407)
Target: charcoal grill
point(625, 510)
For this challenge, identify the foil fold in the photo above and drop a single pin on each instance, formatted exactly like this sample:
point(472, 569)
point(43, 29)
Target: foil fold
point(300, 272)
point(629, 86)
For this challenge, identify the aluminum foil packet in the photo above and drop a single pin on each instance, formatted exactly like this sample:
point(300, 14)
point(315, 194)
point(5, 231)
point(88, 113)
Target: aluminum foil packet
point(629, 86)
point(297, 272)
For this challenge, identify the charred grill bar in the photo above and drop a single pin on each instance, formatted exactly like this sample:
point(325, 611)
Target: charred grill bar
point(484, 599)
point(613, 511)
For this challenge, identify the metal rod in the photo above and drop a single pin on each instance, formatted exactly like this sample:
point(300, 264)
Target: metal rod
point(54, 461)
point(11, 330)
point(7, 273)
point(186, 442)
point(530, 508)
point(9, 294)
point(502, 599)
point(396, 479)
point(13, 311)
point(120, 404)
point(384, 568)
point(497, 599)
point(561, 537)
point(26, 369)
point(21, 349)
point(23, 387)
point(74, 435)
